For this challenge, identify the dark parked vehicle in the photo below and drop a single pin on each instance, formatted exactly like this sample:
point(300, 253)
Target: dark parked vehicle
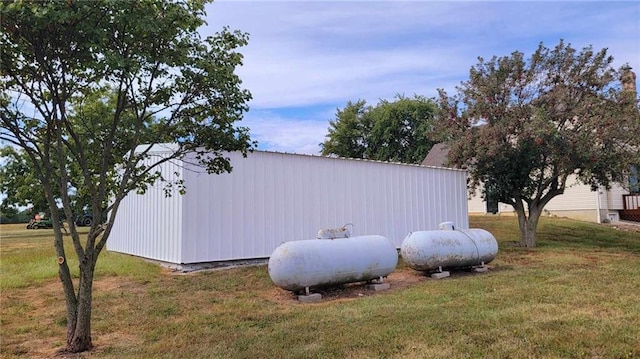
point(84, 220)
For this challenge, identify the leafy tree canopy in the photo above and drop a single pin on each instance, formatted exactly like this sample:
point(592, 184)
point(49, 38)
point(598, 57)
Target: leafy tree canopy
point(19, 184)
point(86, 83)
point(395, 131)
point(525, 126)
point(17, 177)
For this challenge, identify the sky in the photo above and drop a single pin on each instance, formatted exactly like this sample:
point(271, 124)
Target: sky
point(306, 59)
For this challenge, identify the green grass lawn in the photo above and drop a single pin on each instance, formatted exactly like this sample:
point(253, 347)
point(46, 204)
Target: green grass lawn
point(575, 296)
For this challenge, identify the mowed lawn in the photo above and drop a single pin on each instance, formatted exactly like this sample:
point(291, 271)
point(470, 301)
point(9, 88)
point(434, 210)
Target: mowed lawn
point(575, 296)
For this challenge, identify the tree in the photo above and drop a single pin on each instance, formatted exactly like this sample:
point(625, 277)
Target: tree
point(19, 184)
point(90, 87)
point(17, 178)
point(525, 127)
point(394, 131)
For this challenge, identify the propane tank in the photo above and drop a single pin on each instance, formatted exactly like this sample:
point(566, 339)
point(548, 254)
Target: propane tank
point(448, 248)
point(298, 265)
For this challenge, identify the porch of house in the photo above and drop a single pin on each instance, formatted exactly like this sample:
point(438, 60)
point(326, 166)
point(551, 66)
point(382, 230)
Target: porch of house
point(631, 211)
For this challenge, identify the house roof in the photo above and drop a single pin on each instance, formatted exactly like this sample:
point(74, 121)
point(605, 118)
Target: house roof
point(437, 156)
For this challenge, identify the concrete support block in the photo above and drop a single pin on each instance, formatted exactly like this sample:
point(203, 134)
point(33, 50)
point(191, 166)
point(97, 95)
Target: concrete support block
point(440, 275)
point(378, 286)
point(310, 298)
point(480, 269)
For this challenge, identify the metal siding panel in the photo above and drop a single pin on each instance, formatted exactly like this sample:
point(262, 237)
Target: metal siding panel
point(194, 212)
point(287, 222)
point(433, 198)
point(416, 195)
point(203, 215)
point(448, 198)
point(270, 198)
point(396, 196)
point(236, 205)
point(387, 205)
point(255, 197)
point(190, 206)
point(300, 199)
point(197, 213)
point(419, 196)
point(228, 221)
point(335, 194)
point(313, 197)
point(271, 193)
point(325, 172)
point(148, 225)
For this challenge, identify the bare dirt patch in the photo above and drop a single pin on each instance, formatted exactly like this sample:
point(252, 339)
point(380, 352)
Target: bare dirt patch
point(40, 332)
point(399, 279)
point(627, 227)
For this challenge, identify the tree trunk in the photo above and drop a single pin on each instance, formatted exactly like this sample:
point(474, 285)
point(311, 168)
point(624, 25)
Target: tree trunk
point(528, 226)
point(79, 330)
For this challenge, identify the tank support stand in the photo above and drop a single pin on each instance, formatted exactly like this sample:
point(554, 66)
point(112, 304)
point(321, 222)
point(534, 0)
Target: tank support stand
point(378, 286)
point(481, 268)
point(440, 274)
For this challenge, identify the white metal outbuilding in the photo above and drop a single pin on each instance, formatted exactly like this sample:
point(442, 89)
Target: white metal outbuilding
point(270, 198)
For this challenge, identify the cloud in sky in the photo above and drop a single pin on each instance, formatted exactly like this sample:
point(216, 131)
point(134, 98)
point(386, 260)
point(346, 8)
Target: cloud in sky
point(286, 130)
point(305, 59)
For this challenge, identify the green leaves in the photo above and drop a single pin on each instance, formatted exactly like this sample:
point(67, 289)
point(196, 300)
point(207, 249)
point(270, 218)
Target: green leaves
point(528, 125)
point(110, 75)
point(557, 113)
point(397, 131)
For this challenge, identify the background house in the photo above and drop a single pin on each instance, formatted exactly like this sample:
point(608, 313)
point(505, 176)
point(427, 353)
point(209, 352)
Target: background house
point(578, 200)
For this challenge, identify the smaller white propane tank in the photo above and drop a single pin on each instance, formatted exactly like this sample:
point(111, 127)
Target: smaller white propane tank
point(298, 265)
point(448, 248)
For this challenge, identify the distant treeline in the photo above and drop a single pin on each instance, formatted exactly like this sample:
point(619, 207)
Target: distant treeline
point(15, 217)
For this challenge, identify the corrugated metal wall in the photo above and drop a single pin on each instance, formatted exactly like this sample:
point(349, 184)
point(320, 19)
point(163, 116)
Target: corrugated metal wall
point(270, 198)
point(150, 225)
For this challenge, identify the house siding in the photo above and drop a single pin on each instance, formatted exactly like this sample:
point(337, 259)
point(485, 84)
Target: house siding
point(576, 197)
point(613, 198)
point(578, 202)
